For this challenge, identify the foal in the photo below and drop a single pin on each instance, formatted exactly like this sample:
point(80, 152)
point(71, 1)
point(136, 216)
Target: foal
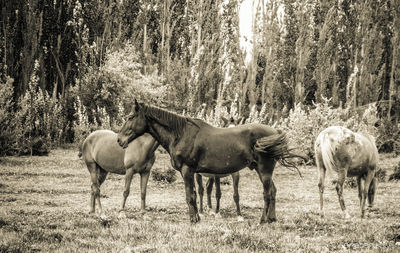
point(340, 150)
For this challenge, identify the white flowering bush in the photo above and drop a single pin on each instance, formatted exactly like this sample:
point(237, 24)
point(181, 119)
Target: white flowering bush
point(37, 120)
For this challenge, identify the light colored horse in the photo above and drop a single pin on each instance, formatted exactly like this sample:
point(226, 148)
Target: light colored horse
point(102, 155)
point(338, 149)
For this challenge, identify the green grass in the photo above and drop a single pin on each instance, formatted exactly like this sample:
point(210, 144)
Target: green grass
point(44, 204)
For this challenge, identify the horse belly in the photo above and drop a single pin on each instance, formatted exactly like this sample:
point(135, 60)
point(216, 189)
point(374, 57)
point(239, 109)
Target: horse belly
point(224, 161)
point(111, 159)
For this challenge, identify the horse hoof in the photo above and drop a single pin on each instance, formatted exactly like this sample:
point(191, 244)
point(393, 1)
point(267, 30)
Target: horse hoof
point(270, 220)
point(218, 216)
point(122, 215)
point(201, 215)
point(240, 218)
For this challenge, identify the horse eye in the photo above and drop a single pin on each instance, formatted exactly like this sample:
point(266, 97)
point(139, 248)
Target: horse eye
point(130, 117)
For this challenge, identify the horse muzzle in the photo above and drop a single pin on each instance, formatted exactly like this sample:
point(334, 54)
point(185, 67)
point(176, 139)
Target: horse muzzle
point(122, 142)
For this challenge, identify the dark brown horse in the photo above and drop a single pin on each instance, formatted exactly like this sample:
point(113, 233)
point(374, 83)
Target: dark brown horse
point(197, 147)
point(345, 153)
point(102, 155)
point(215, 178)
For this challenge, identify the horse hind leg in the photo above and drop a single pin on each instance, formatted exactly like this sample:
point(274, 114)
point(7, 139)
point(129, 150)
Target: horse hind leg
point(209, 187)
point(265, 169)
point(199, 180)
point(371, 193)
point(368, 180)
point(218, 195)
point(97, 176)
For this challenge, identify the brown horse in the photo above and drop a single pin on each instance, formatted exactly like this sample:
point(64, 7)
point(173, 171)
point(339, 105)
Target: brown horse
point(197, 147)
point(102, 155)
point(215, 178)
point(338, 149)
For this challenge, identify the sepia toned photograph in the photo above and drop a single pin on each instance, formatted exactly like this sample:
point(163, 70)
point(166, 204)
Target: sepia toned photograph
point(141, 126)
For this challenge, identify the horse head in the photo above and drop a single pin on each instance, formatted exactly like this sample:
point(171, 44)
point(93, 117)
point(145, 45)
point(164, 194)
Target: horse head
point(135, 126)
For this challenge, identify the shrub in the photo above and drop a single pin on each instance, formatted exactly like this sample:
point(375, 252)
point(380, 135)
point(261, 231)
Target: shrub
point(165, 175)
point(7, 121)
point(396, 174)
point(39, 119)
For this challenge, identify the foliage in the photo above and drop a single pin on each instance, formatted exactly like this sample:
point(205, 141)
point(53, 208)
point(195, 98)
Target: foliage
point(34, 124)
point(164, 175)
point(7, 121)
point(396, 173)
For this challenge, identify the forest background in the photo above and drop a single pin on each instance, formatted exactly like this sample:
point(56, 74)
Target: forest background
point(68, 67)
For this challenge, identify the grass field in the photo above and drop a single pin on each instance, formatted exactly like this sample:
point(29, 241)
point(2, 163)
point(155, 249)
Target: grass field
point(44, 204)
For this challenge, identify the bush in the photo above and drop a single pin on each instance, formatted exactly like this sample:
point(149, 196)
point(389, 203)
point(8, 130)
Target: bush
point(7, 121)
point(32, 124)
point(396, 174)
point(164, 175)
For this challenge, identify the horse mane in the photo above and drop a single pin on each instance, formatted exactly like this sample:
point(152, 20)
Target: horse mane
point(173, 121)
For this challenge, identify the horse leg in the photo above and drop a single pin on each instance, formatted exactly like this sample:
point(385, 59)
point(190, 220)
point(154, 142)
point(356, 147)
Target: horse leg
point(209, 186)
point(339, 189)
point(101, 178)
point(321, 185)
point(217, 194)
point(235, 179)
point(265, 168)
point(359, 187)
point(199, 180)
point(144, 179)
point(94, 171)
point(370, 176)
point(128, 179)
point(371, 193)
point(188, 178)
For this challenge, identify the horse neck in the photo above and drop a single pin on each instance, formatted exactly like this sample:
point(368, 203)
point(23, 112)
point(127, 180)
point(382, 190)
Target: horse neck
point(162, 135)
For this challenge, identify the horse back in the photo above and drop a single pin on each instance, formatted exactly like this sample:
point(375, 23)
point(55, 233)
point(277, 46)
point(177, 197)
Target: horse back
point(341, 148)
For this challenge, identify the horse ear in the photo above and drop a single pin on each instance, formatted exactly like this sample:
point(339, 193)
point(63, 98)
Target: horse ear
point(136, 106)
point(224, 120)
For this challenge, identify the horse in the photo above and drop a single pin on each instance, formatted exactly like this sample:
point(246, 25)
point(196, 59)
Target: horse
point(338, 149)
point(215, 178)
point(197, 147)
point(102, 155)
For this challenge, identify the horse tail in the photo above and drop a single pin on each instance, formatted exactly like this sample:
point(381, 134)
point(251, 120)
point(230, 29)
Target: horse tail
point(276, 147)
point(327, 151)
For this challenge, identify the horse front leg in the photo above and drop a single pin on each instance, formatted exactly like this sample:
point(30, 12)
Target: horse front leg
point(235, 179)
point(144, 179)
point(339, 189)
point(128, 179)
point(199, 180)
point(188, 178)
